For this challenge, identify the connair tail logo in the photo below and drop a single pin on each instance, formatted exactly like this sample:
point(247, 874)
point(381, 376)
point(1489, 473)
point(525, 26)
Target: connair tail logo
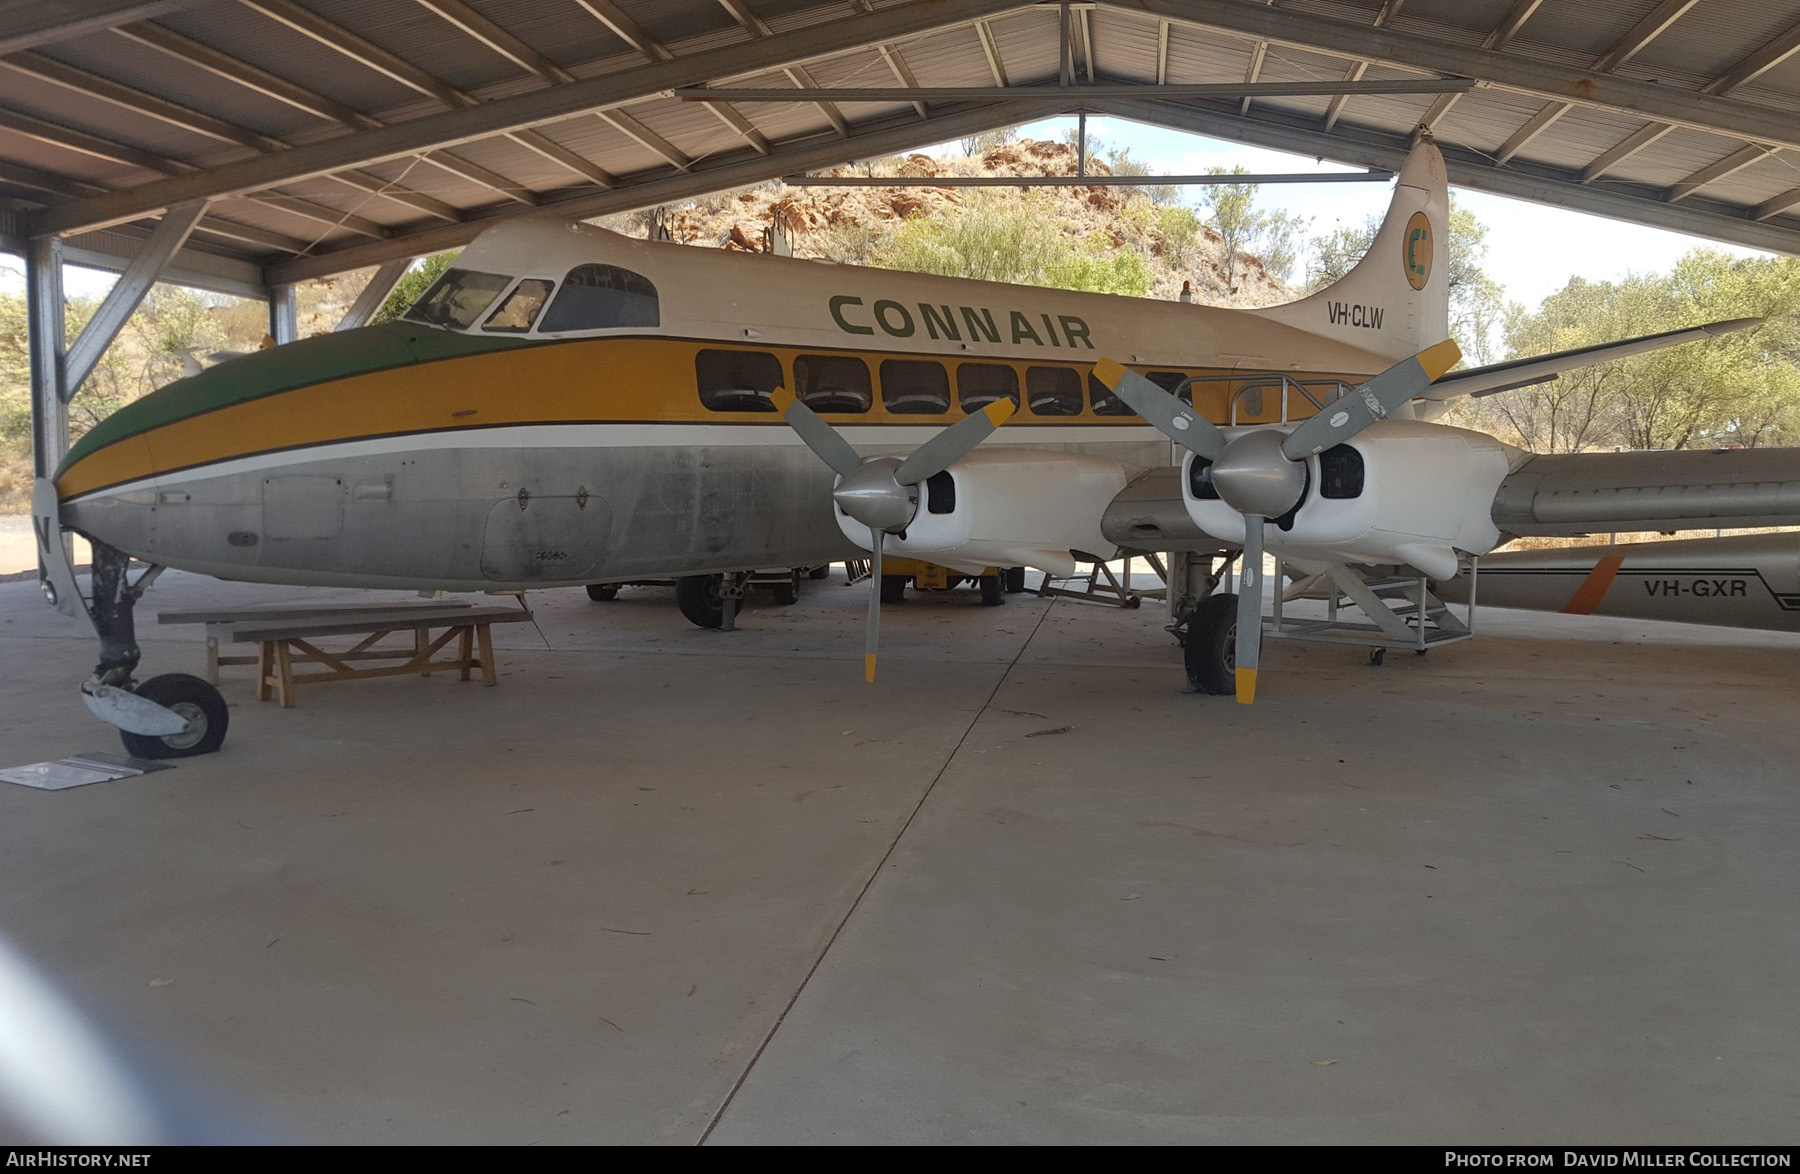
point(1350, 314)
point(1415, 250)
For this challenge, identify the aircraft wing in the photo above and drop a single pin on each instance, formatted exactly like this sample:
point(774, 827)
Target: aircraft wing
point(1691, 489)
point(1497, 377)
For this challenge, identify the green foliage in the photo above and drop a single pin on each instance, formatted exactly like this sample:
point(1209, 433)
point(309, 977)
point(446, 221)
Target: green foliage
point(1020, 240)
point(1180, 229)
point(148, 353)
point(417, 279)
point(1337, 252)
point(1280, 242)
point(1100, 269)
point(1742, 389)
point(1243, 227)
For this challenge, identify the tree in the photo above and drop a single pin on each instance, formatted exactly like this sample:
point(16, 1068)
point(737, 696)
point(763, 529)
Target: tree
point(1022, 240)
point(987, 140)
point(1742, 389)
point(1231, 212)
point(1243, 227)
point(1280, 242)
point(418, 278)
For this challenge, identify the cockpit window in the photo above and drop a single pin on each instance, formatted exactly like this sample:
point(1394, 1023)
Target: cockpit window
point(601, 297)
point(521, 307)
point(458, 298)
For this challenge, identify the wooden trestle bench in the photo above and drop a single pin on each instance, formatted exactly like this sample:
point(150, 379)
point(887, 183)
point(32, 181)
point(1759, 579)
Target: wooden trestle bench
point(283, 635)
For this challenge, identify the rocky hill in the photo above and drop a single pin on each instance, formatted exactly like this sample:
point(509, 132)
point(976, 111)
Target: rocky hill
point(856, 225)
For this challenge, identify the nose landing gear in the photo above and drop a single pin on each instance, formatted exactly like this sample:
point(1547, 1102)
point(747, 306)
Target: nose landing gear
point(171, 716)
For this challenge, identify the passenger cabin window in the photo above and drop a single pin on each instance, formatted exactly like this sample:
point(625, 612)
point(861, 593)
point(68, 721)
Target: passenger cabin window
point(602, 297)
point(1340, 472)
point(980, 384)
point(521, 307)
point(1053, 391)
point(458, 298)
point(1104, 401)
point(737, 381)
point(914, 387)
point(833, 383)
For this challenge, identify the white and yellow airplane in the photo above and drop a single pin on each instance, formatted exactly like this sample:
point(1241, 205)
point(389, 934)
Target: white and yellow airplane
point(569, 406)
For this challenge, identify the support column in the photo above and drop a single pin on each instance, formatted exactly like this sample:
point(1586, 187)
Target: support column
point(373, 295)
point(128, 293)
point(45, 334)
point(284, 314)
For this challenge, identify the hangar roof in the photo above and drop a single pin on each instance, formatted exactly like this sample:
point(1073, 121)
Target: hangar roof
point(333, 134)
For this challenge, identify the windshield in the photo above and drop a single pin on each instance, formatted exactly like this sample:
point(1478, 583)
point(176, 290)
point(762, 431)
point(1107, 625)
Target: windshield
point(458, 298)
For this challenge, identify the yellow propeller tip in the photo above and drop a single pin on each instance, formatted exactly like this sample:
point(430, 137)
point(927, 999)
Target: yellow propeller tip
point(782, 398)
point(1440, 358)
point(1000, 411)
point(1109, 372)
point(1246, 686)
point(869, 667)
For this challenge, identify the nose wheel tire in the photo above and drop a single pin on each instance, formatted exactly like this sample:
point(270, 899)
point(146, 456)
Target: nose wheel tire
point(1210, 649)
point(993, 590)
point(192, 698)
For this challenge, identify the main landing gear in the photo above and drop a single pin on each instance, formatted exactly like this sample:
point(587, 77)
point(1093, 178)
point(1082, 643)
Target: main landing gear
point(171, 716)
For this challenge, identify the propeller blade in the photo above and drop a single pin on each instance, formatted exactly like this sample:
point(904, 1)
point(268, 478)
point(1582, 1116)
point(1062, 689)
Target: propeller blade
point(953, 443)
point(1249, 617)
point(819, 436)
point(1168, 414)
point(873, 635)
point(1368, 402)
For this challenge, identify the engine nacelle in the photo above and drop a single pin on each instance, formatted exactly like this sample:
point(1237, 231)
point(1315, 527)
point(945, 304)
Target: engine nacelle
point(1007, 508)
point(1400, 491)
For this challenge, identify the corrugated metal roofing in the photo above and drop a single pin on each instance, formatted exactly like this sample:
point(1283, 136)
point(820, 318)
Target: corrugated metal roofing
point(232, 61)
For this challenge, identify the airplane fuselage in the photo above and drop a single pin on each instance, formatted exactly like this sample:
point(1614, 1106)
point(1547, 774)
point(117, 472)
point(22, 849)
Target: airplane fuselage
point(587, 407)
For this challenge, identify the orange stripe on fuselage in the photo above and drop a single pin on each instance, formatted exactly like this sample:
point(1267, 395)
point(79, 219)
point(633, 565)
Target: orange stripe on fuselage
point(1587, 597)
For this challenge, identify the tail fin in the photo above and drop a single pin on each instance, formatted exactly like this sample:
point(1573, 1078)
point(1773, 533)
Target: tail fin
point(1396, 302)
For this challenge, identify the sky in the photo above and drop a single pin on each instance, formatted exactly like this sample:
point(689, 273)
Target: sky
point(1533, 249)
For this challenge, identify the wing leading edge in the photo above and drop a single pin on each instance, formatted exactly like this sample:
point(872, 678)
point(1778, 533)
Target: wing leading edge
point(1515, 373)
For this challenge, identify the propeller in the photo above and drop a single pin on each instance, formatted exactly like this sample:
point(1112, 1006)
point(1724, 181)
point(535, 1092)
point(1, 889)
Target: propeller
point(883, 492)
point(1262, 474)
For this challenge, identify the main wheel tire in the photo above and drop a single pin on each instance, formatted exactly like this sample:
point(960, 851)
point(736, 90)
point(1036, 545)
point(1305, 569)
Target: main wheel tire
point(787, 594)
point(993, 591)
point(893, 588)
point(1015, 580)
point(820, 572)
point(1210, 650)
point(192, 698)
point(699, 600)
point(603, 592)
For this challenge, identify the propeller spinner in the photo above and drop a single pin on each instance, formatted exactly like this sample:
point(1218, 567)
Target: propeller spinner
point(883, 492)
point(1262, 474)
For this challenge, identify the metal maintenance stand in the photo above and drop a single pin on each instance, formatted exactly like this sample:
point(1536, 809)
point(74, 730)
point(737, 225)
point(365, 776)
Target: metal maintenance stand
point(1399, 610)
point(1101, 585)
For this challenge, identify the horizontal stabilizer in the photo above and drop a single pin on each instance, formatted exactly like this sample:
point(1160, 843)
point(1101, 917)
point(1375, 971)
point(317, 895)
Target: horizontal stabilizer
point(1497, 377)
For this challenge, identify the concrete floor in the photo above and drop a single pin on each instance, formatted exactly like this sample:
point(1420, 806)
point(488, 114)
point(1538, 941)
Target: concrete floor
point(666, 885)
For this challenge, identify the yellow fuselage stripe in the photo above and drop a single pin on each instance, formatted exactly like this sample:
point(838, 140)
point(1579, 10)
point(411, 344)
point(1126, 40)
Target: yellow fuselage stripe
point(635, 380)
